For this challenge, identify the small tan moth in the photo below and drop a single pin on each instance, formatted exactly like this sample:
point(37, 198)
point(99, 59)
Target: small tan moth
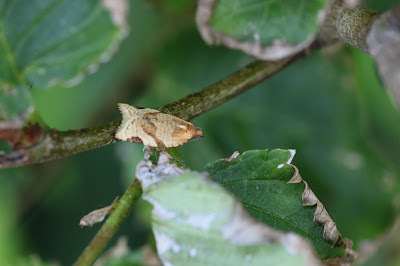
point(154, 129)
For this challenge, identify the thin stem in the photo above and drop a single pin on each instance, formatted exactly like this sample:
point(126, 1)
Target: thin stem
point(57, 144)
point(107, 231)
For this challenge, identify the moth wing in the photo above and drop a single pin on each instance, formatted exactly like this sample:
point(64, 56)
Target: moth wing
point(138, 134)
point(153, 128)
point(128, 128)
point(128, 110)
point(172, 130)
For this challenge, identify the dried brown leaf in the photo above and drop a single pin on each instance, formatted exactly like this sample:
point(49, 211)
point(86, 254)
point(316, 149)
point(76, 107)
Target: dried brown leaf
point(97, 216)
point(232, 157)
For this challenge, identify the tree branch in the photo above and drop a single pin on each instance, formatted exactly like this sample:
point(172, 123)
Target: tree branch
point(374, 33)
point(55, 144)
point(121, 211)
point(351, 25)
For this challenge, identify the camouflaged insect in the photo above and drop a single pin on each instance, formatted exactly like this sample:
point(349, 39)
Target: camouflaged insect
point(153, 128)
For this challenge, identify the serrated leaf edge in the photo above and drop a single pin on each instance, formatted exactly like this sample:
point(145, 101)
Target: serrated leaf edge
point(321, 216)
point(241, 230)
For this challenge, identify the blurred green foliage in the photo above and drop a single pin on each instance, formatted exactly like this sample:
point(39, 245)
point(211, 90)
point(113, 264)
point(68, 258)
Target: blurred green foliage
point(330, 107)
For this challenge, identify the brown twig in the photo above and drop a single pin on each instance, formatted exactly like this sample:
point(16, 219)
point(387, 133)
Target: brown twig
point(57, 144)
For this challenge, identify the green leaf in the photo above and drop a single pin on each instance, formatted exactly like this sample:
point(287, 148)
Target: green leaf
point(44, 43)
point(259, 179)
point(197, 222)
point(98, 89)
point(14, 101)
point(255, 26)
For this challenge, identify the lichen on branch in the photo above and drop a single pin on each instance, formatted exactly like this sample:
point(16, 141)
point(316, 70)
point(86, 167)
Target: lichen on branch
point(351, 25)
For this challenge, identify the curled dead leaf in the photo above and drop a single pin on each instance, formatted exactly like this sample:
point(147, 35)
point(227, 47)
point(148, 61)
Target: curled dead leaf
point(97, 216)
point(234, 155)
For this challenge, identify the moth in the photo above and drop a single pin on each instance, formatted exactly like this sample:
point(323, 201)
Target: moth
point(154, 129)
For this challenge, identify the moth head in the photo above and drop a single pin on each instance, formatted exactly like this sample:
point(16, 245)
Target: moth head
point(199, 133)
point(188, 131)
point(195, 132)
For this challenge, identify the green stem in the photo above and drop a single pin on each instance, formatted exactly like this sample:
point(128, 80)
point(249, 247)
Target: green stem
point(57, 144)
point(121, 211)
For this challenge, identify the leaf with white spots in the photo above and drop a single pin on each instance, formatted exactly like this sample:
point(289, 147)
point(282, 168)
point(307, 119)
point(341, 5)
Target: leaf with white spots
point(197, 222)
point(260, 180)
point(44, 43)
